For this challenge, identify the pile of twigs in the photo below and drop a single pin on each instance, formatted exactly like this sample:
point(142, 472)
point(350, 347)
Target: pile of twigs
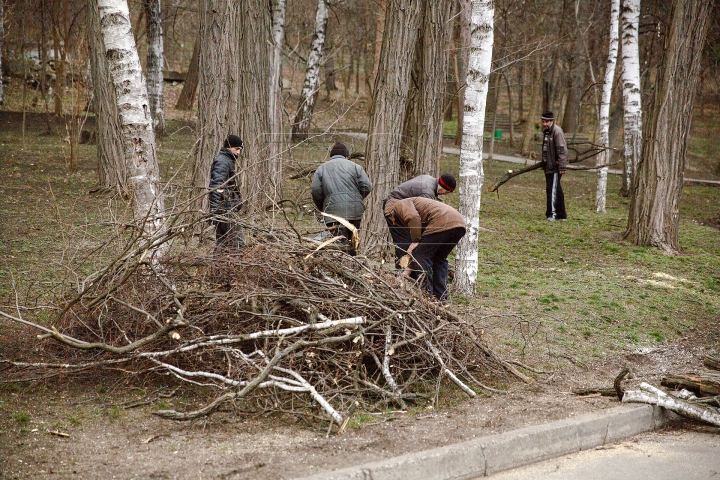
point(280, 323)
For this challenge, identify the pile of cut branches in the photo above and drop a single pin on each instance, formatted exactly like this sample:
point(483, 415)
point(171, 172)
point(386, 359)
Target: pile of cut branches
point(278, 324)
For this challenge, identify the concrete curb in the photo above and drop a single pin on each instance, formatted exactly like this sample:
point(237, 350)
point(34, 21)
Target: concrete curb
point(491, 454)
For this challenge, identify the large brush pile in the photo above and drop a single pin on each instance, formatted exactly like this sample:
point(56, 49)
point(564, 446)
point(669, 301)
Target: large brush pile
point(278, 322)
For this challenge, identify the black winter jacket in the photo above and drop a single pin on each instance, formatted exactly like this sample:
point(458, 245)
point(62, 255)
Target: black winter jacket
point(224, 194)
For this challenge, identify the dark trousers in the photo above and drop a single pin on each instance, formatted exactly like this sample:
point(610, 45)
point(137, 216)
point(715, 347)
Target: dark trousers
point(555, 207)
point(229, 238)
point(401, 239)
point(336, 228)
point(431, 257)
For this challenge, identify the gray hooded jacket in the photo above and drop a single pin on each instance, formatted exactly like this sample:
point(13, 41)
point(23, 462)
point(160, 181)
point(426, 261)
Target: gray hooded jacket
point(339, 187)
point(420, 186)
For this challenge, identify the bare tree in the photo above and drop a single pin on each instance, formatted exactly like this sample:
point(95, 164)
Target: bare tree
point(301, 123)
point(386, 117)
point(138, 137)
point(2, 34)
point(632, 97)
point(462, 46)
point(654, 217)
point(471, 167)
point(275, 93)
point(154, 64)
point(112, 173)
point(187, 94)
point(604, 126)
point(424, 110)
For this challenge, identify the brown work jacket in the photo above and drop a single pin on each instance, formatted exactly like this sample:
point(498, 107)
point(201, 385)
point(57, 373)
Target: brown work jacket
point(423, 216)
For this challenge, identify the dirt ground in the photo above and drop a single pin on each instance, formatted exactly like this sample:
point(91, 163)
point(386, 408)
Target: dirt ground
point(98, 439)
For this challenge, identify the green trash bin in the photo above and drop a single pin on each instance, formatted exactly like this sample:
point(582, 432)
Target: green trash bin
point(498, 134)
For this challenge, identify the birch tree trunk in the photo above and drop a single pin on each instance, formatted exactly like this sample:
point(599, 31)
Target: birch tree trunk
point(386, 116)
point(261, 172)
point(654, 217)
point(632, 98)
point(138, 137)
point(424, 110)
point(301, 123)
point(471, 167)
point(110, 157)
point(604, 125)
point(154, 64)
point(275, 93)
point(218, 104)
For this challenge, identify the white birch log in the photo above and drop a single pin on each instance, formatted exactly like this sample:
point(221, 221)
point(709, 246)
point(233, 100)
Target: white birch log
point(386, 361)
point(469, 391)
point(632, 98)
point(604, 123)
point(301, 124)
point(471, 167)
point(135, 120)
point(654, 396)
point(154, 63)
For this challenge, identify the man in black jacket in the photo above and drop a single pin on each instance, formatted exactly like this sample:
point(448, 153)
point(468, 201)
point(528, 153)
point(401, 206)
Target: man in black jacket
point(224, 197)
point(554, 157)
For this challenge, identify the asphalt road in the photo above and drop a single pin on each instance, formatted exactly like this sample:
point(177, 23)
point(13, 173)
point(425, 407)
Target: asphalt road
point(675, 454)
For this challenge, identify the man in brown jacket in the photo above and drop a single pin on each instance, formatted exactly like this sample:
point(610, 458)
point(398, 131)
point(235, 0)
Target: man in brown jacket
point(435, 229)
point(554, 157)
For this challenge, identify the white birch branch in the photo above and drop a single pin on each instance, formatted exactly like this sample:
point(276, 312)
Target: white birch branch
point(654, 396)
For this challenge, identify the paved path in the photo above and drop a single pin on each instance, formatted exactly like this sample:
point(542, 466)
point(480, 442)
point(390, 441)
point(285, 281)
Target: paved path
point(663, 455)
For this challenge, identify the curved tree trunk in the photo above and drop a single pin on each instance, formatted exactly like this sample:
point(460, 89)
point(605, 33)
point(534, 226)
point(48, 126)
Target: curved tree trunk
point(138, 137)
point(604, 127)
point(386, 116)
point(424, 110)
point(654, 217)
point(632, 119)
point(110, 157)
point(301, 123)
point(261, 174)
point(187, 94)
point(471, 167)
point(154, 64)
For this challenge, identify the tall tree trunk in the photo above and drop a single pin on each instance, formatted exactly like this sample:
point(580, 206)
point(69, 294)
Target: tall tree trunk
point(154, 64)
point(632, 97)
point(187, 94)
point(495, 100)
point(461, 56)
point(275, 92)
point(604, 126)
point(576, 80)
point(330, 84)
point(138, 137)
point(471, 167)
point(380, 12)
point(301, 123)
point(510, 110)
point(654, 217)
point(2, 36)
point(218, 104)
point(386, 116)
point(535, 99)
point(110, 157)
point(59, 57)
point(424, 110)
point(261, 173)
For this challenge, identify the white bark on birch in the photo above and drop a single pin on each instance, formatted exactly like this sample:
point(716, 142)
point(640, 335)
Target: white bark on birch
point(471, 167)
point(278, 34)
point(154, 64)
point(632, 118)
point(138, 137)
point(604, 125)
point(301, 124)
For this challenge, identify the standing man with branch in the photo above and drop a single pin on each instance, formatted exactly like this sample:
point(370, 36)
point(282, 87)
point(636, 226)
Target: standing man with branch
point(554, 158)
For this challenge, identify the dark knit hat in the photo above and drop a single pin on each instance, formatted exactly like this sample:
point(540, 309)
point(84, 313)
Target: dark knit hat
point(233, 141)
point(548, 116)
point(339, 149)
point(447, 181)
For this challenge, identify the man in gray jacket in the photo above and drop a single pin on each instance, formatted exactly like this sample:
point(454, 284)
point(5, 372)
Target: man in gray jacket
point(425, 186)
point(554, 157)
point(339, 187)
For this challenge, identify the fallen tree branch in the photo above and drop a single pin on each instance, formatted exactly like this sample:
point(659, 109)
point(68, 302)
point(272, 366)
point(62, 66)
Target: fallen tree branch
point(654, 396)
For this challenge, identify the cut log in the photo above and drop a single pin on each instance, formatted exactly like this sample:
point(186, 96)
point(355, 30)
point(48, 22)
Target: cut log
point(653, 396)
point(707, 384)
point(712, 362)
point(605, 392)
